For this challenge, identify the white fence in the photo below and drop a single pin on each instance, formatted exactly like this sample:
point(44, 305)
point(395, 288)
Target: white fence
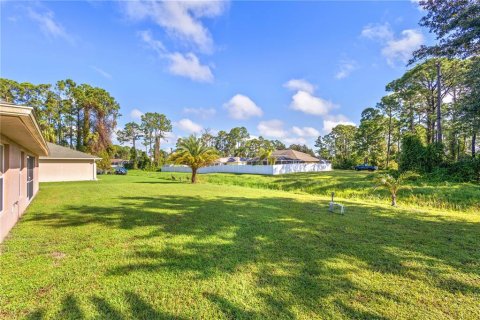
point(256, 169)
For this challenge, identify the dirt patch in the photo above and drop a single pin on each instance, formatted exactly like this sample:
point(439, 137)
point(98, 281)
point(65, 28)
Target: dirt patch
point(58, 257)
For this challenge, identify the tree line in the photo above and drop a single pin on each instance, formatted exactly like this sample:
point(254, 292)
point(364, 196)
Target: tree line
point(155, 128)
point(84, 118)
point(429, 119)
point(79, 116)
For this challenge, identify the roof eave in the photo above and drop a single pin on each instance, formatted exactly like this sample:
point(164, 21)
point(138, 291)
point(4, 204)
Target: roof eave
point(26, 116)
point(66, 158)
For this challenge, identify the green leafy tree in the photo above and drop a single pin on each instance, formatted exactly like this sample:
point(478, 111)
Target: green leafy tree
point(194, 153)
point(120, 152)
point(105, 161)
point(457, 26)
point(390, 106)
point(221, 143)
point(411, 156)
point(159, 125)
point(131, 133)
point(266, 155)
point(370, 142)
point(278, 145)
point(341, 142)
point(470, 103)
point(302, 148)
point(236, 139)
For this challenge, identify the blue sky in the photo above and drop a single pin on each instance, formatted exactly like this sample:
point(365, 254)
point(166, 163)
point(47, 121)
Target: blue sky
point(285, 70)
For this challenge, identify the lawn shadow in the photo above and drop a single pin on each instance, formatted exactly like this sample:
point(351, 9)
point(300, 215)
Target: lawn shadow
point(300, 248)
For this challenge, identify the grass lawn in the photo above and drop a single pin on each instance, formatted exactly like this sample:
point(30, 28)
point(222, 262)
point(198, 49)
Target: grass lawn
point(349, 184)
point(140, 247)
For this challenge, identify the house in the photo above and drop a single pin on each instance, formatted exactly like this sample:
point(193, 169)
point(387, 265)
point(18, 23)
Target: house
point(293, 156)
point(231, 161)
point(21, 145)
point(286, 161)
point(65, 164)
point(288, 156)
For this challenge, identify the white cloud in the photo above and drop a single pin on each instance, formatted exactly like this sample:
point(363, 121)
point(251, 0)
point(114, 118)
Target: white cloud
point(170, 138)
point(180, 19)
point(48, 25)
point(297, 140)
point(102, 72)
point(241, 107)
point(346, 67)
point(271, 128)
point(380, 32)
point(401, 49)
point(136, 114)
point(189, 126)
point(331, 121)
point(394, 48)
point(186, 65)
point(305, 132)
point(155, 45)
point(204, 113)
point(307, 103)
point(300, 85)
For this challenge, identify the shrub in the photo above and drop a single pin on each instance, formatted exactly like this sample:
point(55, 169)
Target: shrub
point(413, 150)
point(433, 156)
point(466, 169)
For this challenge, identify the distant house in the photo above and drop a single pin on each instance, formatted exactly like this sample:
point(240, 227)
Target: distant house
point(65, 164)
point(293, 156)
point(231, 161)
point(118, 163)
point(21, 145)
point(286, 157)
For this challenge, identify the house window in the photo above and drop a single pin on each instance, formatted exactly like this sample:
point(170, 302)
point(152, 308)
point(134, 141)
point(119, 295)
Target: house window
point(20, 168)
point(2, 164)
point(30, 165)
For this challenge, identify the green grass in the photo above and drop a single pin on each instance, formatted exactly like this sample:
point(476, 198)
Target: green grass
point(349, 184)
point(140, 247)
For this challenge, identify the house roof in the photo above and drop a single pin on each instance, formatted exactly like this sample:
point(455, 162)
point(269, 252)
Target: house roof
point(115, 161)
point(60, 152)
point(293, 155)
point(231, 159)
point(18, 124)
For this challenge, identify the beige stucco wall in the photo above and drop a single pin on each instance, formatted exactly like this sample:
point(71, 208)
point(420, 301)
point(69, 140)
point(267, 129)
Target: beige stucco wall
point(54, 170)
point(15, 199)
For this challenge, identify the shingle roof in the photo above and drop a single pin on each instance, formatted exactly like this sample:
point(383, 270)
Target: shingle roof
point(59, 152)
point(294, 155)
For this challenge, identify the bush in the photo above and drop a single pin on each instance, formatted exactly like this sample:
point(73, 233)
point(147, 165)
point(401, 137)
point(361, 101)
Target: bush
point(466, 169)
point(433, 156)
point(392, 165)
point(413, 151)
point(344, 163)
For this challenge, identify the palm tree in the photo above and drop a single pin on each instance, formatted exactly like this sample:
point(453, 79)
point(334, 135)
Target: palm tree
point(392, 184)
point(266, 154)
point(193, 153)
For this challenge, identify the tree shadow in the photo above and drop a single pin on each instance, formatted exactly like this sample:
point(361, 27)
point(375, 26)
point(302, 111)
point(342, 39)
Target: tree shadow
point(105, 310)
point(301, 250)
point(35, 315)
point(70, 309)
point(142, 310)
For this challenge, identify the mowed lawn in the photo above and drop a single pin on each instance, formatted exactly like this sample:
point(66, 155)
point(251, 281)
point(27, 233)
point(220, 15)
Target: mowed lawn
point(350, 184)
point(140, 247)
